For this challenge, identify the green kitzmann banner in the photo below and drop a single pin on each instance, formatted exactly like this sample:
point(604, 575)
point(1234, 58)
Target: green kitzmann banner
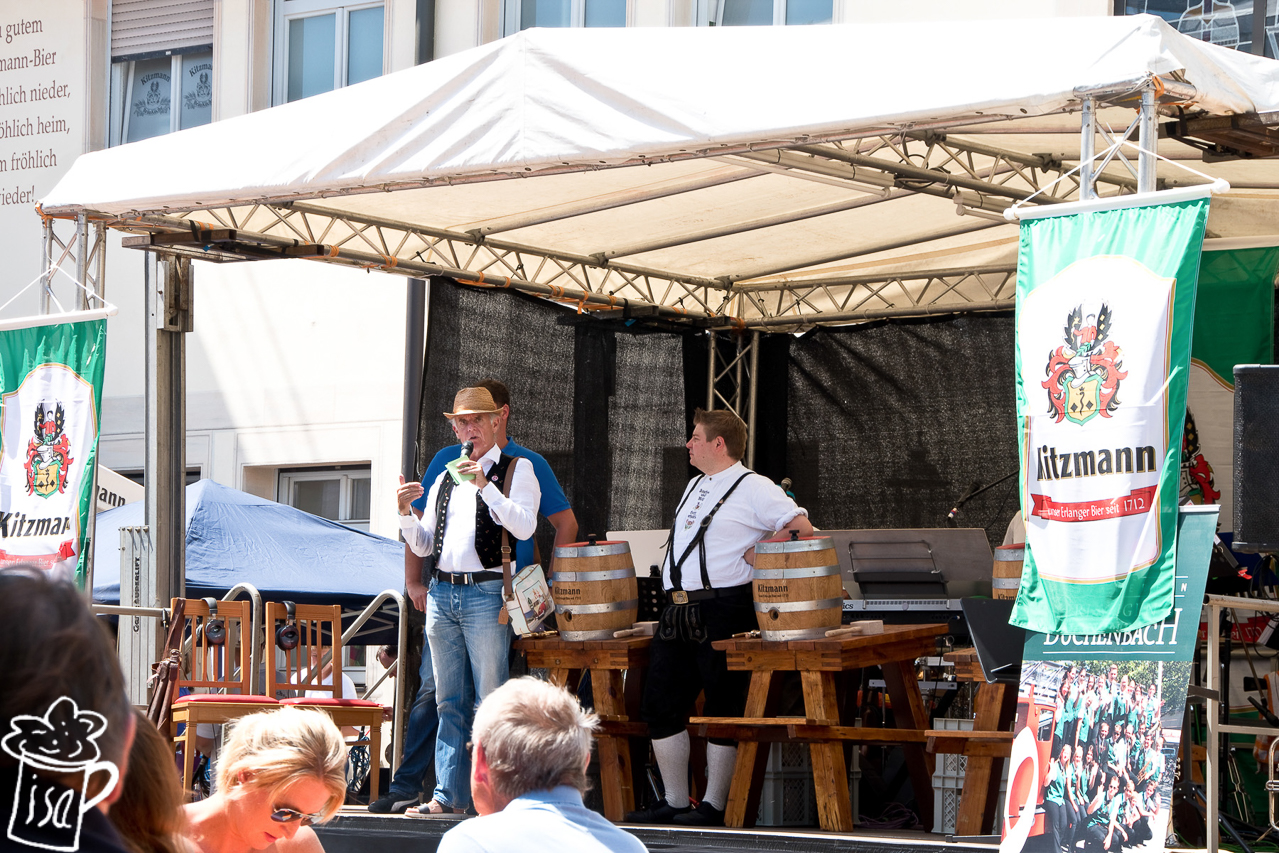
point(50, 396)
point(1105, 306)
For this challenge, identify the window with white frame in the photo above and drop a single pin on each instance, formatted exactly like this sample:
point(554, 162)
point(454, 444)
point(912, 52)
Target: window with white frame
point(745, 13)
point(321, 46)
point(524, 14)
point(340, 493)
point(155, 94)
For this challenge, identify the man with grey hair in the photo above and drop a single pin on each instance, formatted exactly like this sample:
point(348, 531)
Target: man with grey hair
point(531, 744)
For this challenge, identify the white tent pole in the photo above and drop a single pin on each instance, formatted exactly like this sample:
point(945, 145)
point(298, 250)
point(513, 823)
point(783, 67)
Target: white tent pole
point(1087, 138)
point(1148, 139)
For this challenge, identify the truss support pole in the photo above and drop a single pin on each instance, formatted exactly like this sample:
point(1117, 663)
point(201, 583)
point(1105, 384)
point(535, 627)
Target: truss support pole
point(169, 310)
point(1087, 139)
point(710, 372)
point(751, 404)
point(82, 262)
point(737, 379)
point(1148, 139)
point(46, 277)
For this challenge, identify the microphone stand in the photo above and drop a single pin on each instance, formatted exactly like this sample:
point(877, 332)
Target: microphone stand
point(950, 516)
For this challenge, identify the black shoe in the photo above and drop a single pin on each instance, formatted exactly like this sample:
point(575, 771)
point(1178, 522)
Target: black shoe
point(393, 803)
point(704, 815)
point(663, 812)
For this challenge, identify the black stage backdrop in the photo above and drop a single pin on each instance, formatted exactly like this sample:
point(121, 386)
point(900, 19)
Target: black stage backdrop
point(890, 423)
point(602, 403)
point(879, 425)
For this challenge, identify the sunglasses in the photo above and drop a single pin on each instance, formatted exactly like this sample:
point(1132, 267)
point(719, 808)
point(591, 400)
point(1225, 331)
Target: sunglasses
point(286, 815)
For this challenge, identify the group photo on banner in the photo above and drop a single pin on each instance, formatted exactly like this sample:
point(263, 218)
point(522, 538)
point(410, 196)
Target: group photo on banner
point(50, 400)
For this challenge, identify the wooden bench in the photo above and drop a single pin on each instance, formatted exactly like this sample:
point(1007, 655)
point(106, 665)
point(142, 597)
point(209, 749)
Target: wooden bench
point(818, 662)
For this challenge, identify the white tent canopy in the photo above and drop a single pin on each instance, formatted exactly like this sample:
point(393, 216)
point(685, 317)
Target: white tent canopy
point(771, 177)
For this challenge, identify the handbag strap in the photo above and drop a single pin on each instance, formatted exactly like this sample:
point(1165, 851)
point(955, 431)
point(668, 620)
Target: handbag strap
point(508, 591)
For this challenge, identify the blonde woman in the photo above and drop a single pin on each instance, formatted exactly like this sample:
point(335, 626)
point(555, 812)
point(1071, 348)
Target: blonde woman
point(279, 772)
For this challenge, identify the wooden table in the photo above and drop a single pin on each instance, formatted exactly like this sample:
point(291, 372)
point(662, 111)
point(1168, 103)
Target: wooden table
point(617, 701)
point(986, 746)
point(818, 661)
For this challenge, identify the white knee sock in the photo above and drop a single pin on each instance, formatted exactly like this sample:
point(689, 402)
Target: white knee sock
point(672, 760)
point(719, 773)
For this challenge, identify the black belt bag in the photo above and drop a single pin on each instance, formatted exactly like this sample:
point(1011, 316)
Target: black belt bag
point(682, 622)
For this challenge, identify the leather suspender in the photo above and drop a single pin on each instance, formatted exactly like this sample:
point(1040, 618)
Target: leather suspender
point(698, 540)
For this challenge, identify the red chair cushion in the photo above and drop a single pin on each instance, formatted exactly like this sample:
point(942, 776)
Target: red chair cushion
point(218, 697)
point(331, 702)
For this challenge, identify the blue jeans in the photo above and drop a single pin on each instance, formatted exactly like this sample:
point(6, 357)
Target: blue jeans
point(465, 639)
point(419, 739)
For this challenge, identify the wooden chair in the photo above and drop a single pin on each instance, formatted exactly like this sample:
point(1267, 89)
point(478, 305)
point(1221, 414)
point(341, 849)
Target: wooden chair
point(218, 669)
point(314, 623)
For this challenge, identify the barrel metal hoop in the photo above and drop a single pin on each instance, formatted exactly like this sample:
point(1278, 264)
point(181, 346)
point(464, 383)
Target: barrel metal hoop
point(1010, 555)
point(791, 546)
point(1005, 583)
point(606, 634)
point(609, 550)
point(796, 634)
point(610, 575)
point(586, 609)
point(798, 606)
point(806, 572)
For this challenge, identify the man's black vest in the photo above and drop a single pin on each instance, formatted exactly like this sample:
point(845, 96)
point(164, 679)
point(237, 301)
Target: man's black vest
point(488, 533)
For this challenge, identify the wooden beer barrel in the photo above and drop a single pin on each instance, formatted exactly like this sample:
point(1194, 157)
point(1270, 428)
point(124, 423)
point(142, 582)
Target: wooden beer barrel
point(1006, 574)
point(799, 592)
point(594, 590)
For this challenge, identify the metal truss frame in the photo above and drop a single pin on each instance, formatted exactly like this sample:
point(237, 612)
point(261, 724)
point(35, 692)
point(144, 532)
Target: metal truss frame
point(740, 373)
point(86, 246)
point(982, 180)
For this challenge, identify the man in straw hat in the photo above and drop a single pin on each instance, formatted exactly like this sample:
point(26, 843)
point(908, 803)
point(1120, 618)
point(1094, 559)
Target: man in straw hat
point(460, 539)
point(707, 578)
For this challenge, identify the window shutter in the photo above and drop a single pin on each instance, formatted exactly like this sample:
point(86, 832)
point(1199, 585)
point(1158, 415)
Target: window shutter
point(148, 26)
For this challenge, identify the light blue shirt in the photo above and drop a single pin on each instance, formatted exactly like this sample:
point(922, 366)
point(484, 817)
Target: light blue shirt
point(548, 820)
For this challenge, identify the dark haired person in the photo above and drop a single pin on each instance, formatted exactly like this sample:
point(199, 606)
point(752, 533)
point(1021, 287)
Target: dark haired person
point(62, 668)
point(707, 578)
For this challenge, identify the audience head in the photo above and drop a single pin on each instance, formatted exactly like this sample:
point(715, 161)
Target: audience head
point(148, 814)
point(283, 769)
point(54, 648)
point(528, 736)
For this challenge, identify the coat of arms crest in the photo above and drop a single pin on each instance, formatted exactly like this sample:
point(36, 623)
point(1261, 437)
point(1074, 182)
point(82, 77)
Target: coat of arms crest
point(1083, 376)
point(49, 453)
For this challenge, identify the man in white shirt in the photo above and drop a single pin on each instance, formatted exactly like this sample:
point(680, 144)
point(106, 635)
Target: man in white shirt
point(460, 540)
point(707, 578)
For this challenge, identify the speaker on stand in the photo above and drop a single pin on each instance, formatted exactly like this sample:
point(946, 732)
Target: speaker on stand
point(1256, 492)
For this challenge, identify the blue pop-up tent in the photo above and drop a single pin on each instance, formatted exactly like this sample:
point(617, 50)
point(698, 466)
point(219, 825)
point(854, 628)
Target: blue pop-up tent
point(234, 537)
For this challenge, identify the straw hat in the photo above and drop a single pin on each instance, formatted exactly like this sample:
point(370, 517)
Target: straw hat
point(472, 401)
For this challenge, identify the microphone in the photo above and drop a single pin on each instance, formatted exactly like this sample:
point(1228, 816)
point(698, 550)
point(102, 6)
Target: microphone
point(954, 511)
point(467, 447)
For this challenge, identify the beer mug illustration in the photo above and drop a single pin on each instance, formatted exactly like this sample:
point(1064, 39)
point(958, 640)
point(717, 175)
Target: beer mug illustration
point(62, 742)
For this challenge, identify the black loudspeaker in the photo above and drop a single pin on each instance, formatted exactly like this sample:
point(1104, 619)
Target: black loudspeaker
point(287, 636)
point(214, 628)
point(1256, 458)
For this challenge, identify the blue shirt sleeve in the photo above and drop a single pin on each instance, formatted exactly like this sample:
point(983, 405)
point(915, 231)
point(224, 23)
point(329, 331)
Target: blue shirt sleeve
point(434, 470)
point(553, 499)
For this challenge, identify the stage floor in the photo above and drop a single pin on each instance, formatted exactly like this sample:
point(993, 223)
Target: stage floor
point(357, 831)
